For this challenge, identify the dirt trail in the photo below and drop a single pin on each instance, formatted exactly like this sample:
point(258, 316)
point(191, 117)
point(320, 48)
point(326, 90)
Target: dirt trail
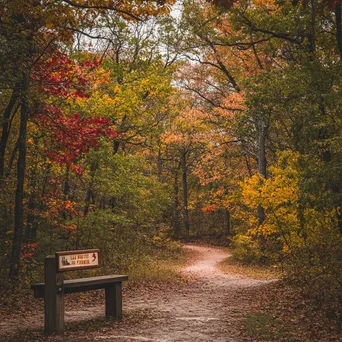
point(209, 308)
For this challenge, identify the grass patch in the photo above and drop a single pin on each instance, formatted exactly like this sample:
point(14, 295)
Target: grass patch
point(230, 265)
point(162, 265)
point(264, 327)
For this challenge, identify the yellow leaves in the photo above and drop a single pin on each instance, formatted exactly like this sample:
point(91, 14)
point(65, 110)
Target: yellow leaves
point(144, 82)
point(278, 195)
point(281, 188)
point(116, 88)
point(288, 219)
point(270, 5)
point(101, 77)
point(251, 191)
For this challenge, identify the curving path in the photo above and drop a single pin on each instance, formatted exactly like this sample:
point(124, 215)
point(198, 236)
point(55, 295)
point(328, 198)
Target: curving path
point(209, 308)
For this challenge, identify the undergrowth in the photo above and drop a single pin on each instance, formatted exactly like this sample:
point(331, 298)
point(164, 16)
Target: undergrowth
point(255, 271)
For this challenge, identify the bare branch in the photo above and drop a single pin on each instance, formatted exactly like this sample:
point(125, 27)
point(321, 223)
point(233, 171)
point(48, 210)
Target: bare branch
point(112, 8)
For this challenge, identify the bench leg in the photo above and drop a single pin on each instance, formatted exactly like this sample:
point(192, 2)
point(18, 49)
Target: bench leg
point(114, 301)
point(53, 298)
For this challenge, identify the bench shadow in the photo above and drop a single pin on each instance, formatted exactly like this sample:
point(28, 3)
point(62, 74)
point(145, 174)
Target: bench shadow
point(85, 326)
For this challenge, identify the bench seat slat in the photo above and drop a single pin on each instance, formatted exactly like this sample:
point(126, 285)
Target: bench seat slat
point(82, 284)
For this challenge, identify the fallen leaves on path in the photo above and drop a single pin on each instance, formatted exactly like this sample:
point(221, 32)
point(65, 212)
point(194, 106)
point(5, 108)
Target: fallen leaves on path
point(210, 305)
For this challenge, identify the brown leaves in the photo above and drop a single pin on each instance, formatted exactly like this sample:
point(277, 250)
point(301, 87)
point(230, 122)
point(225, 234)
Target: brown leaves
point(290, 316)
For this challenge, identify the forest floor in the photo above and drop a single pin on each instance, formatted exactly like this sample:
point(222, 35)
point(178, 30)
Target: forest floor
point(209, 305)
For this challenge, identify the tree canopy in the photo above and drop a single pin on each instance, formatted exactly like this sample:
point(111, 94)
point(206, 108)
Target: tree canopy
point(124, 124)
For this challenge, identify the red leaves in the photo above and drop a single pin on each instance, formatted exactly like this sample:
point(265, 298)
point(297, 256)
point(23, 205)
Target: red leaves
point(27, 250)
point(70, 138)
point(61, 76)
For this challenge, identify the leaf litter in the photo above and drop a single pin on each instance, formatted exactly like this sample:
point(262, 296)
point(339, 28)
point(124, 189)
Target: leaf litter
point(209, 305)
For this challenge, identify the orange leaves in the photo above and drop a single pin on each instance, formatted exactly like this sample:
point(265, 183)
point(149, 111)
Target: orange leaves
point(55, 205)
point(188, 128)
point(211, 208)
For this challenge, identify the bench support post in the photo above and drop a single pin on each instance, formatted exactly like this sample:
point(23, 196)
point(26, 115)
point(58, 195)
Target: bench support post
point(53, 298)
point(114, 301)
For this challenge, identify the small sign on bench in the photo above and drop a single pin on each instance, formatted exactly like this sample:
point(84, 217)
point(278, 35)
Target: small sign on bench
point(78, 260)
point(54, 287)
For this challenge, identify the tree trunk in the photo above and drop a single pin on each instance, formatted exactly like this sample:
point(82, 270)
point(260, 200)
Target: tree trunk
point(261, 162)
point(159, 162)
point(19, 194)
point(175, 213)
point(6, 129)
point(31, 225)
point(185, 193)
point(90, 195)
point(338, 14)
point(327, 157)
point(66, 189)
point(116, 145)
point(333, 186)
point(227, 230)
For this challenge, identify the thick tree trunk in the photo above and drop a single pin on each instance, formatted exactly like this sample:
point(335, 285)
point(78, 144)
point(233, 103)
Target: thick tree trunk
point(116, 145)
point(312, 35)
point(334, 186)
point(227, 230)
point(159, 162)
point(66, 183)
point(66, 189)
point(6, 129)
point(31, 225)
point(261, 162)
point(90, 196)
point(19, 194)
point(338, 14)
point(175, 212)
point(185, 193)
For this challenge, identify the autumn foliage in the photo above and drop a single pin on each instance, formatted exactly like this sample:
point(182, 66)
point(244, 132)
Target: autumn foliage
point(126, 124)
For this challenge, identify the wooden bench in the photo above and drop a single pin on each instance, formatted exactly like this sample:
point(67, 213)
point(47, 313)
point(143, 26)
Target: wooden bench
point(111, 283)
point(55, 287)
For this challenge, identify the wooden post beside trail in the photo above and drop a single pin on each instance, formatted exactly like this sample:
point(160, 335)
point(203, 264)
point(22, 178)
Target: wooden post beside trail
point(53, 298)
